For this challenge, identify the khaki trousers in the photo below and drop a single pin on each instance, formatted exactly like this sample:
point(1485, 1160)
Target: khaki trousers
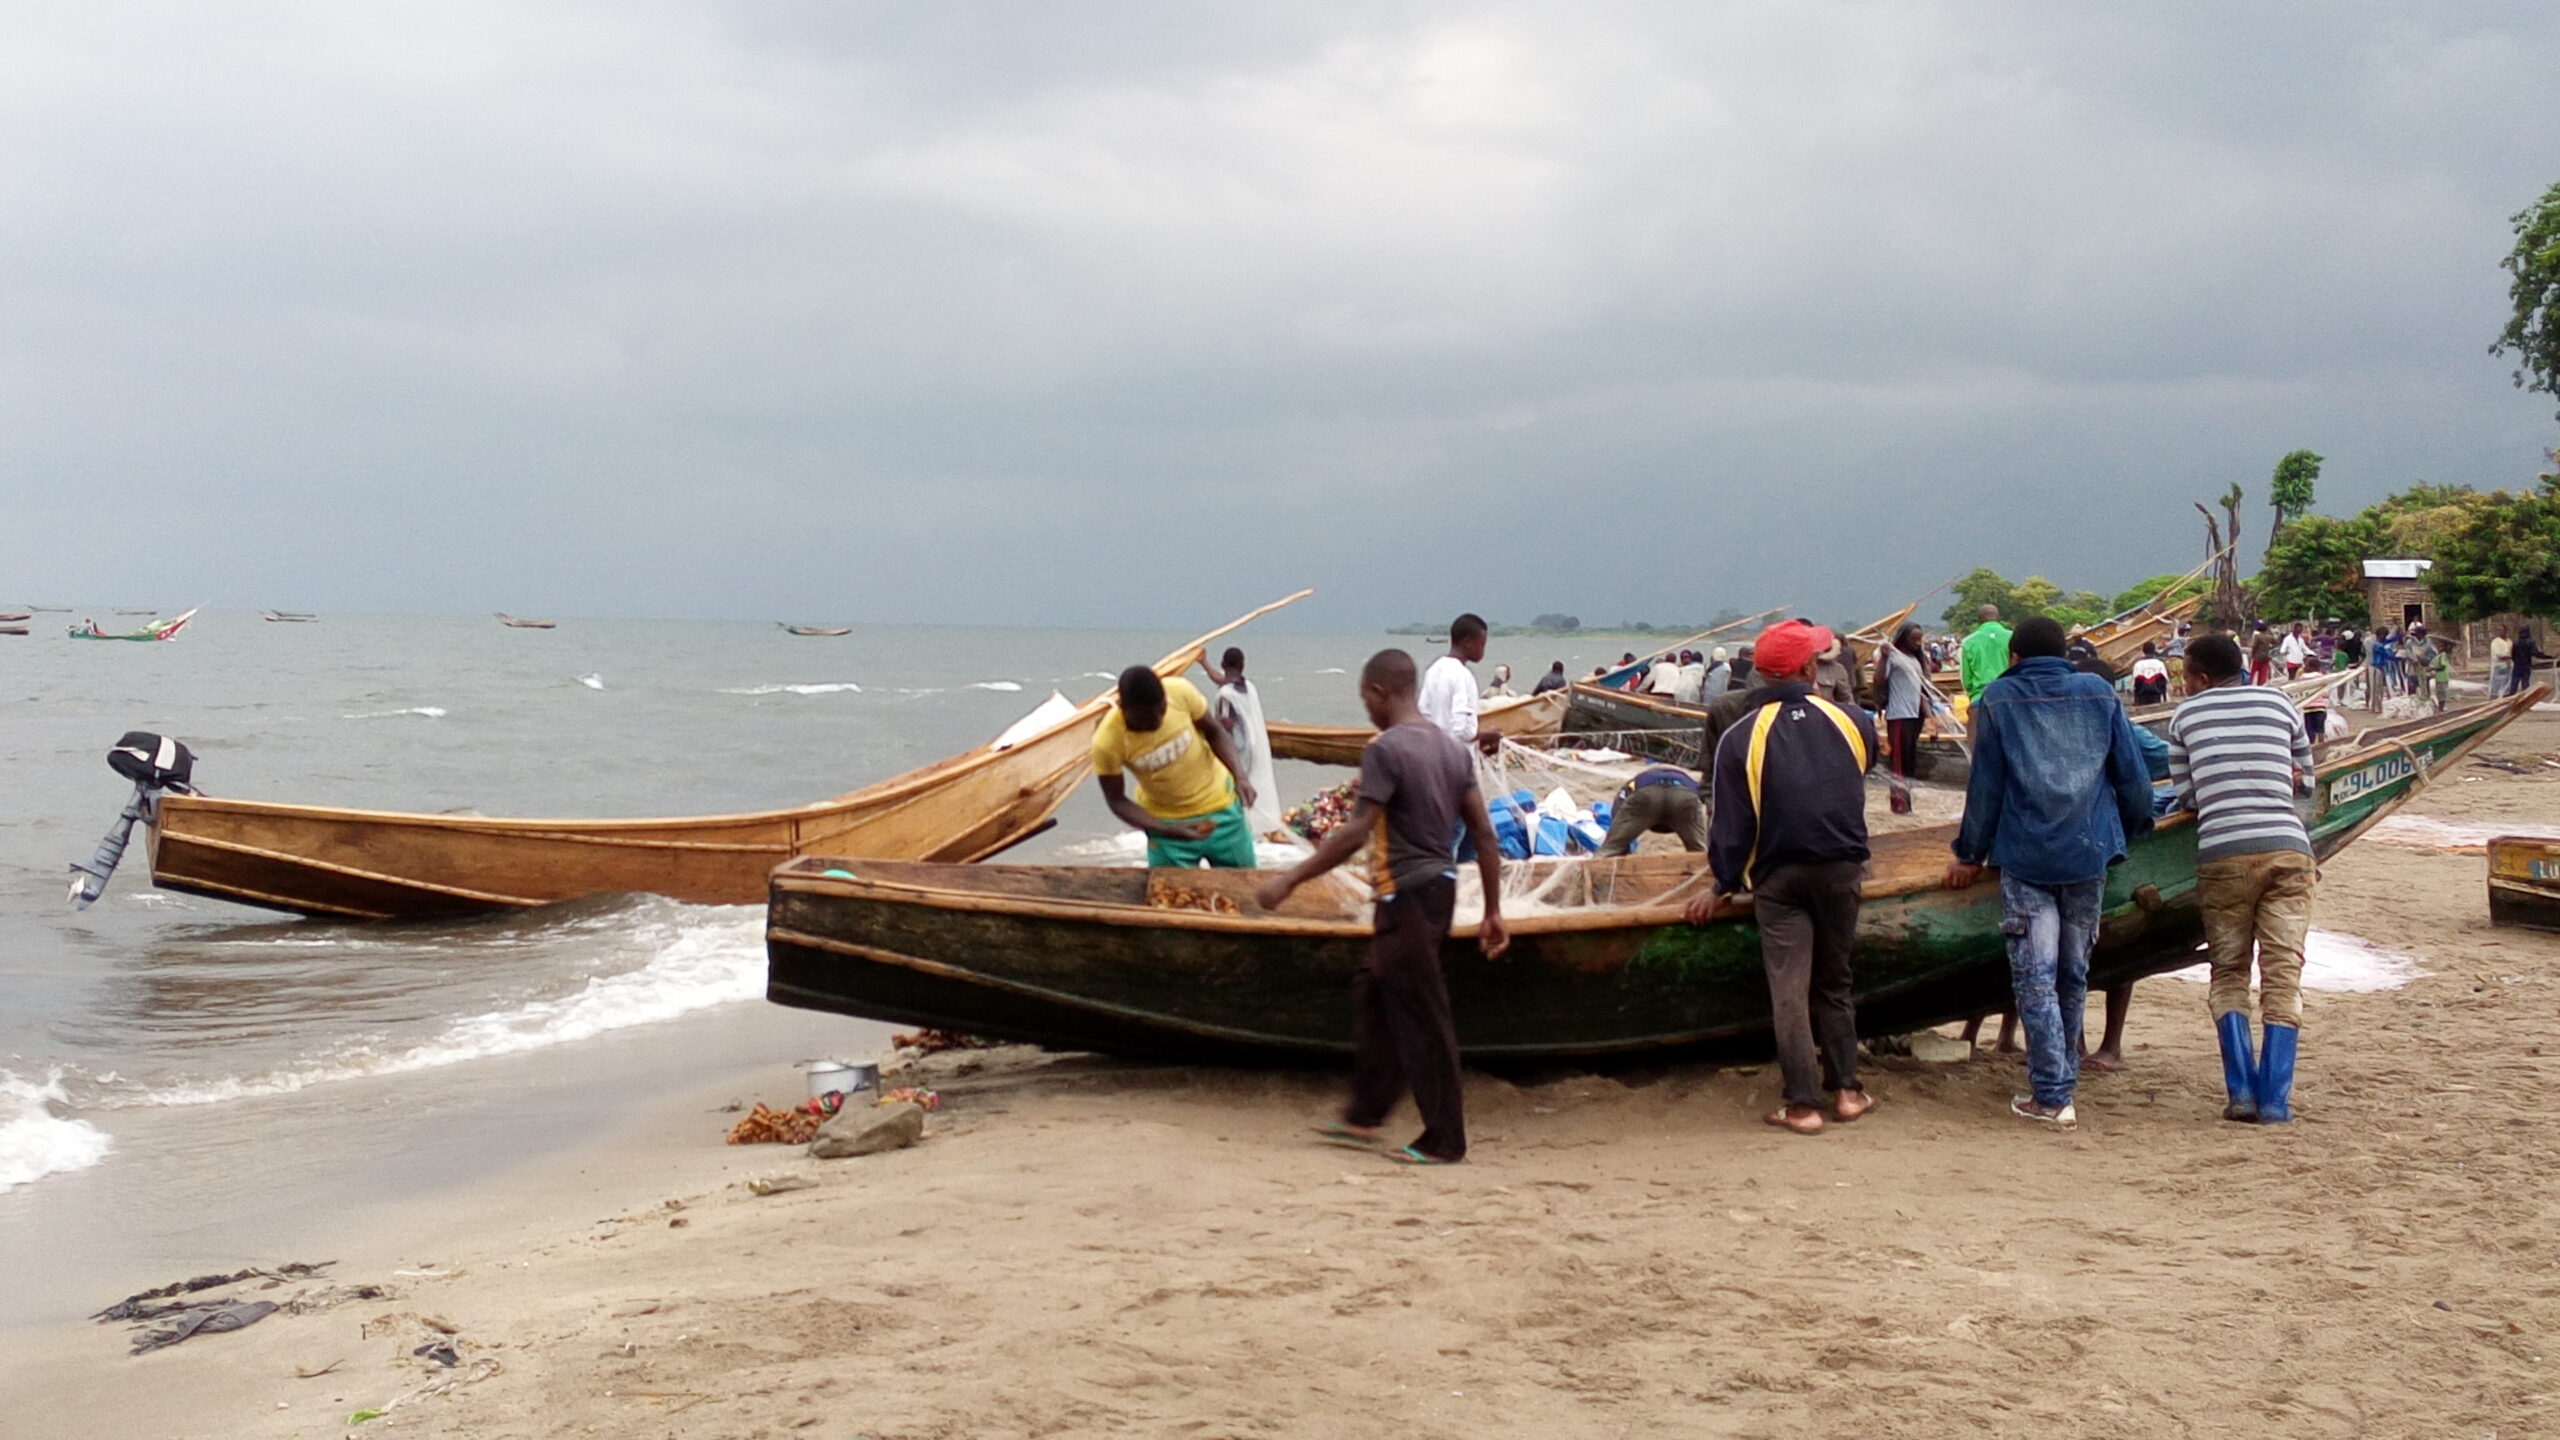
point(2260, 901)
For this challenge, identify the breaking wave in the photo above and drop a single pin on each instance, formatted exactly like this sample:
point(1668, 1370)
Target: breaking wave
point(1006, 686)
point(698, 956)
point(840, 687)
point(35, 1142)
point(430, 712)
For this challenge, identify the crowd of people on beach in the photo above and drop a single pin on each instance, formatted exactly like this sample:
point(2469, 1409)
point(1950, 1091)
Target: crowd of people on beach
point(2061, 783)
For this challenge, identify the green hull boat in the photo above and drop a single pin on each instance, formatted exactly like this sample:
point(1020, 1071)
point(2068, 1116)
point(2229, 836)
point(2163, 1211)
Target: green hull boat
point(1183, 965)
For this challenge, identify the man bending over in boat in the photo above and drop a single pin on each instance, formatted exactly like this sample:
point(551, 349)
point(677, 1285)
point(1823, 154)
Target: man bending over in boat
point(1791, 823)
point(1417, 786)
point(1192, 788)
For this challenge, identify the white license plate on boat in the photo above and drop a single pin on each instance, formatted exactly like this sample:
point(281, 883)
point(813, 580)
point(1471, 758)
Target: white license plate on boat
point(2380, 775)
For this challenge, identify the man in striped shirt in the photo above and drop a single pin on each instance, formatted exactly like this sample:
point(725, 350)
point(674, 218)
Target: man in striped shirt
point(2239, 757)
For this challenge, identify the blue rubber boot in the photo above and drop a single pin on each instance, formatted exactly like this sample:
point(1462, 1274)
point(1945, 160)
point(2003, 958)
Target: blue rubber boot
point(2275, 1075)
point(2239, 1068)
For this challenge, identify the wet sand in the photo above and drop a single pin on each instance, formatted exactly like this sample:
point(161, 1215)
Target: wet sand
point(1083, 1247)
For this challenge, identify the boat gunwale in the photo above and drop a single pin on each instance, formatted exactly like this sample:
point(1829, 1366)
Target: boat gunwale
point(800, 876)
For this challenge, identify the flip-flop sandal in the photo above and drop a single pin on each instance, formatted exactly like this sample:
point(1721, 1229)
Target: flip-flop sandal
point(1334, 1132)
point(1407, 1155)
point(1793, 1126)
point(1836, 1118)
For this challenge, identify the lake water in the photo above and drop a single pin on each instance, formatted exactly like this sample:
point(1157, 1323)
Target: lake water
point(153, 1001)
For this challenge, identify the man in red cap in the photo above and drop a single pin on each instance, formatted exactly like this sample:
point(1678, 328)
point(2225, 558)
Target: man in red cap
point(1791, 824)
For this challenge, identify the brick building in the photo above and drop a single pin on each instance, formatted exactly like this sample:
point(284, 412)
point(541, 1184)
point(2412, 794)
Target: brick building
point(2396, 594)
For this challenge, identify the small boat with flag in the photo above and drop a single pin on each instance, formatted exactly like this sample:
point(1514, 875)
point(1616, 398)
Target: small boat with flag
point(158, 630)
point(1183, 965)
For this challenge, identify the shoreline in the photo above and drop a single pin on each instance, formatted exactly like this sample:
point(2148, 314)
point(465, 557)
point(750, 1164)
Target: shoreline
point(1086, 1246)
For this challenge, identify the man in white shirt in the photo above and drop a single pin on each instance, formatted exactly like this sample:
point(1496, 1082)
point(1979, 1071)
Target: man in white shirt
point(2501, 660)
point(2294, 650)
point(1663, 678)
point(1448, 697)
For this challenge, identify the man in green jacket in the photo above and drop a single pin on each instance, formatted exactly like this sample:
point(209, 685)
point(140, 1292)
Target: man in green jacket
point(1986, 653)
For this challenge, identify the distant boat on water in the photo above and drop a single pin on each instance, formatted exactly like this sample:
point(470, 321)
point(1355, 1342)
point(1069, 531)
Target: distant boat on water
point(14, 618)
point(157, 630)
point(815, 629)
point(515, 623)
point(137, 612)
point(13, 629)
point(287, 617)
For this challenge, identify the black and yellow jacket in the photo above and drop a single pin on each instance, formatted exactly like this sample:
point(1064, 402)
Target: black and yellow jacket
point(1790, 785)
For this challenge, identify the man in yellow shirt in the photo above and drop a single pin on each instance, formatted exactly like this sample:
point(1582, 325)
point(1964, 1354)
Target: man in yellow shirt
point(1191, 787)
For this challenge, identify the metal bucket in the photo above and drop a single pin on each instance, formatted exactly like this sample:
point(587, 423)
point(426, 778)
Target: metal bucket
point(848, 1076)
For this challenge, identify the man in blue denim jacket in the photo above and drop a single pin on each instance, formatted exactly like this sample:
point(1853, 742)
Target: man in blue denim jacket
point(2059, 784)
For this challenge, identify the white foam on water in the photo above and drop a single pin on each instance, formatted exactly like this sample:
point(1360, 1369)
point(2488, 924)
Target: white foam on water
point(2346, 964)
point(430, 712)
point(1333, 670)
point(699, 956)
point(35, 1142)
point(1006, 686)
point(592, 682)
point(839, 687)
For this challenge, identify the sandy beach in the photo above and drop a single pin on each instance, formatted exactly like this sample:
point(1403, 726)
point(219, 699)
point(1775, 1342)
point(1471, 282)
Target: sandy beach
point(1088, 1247)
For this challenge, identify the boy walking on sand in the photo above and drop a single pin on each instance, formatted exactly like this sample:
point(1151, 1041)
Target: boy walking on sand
point(1417, 785)
point(2239, 756)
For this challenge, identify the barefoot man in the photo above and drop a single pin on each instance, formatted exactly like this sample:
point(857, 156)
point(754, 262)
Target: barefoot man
point(1417, 785)
point(1791, 823)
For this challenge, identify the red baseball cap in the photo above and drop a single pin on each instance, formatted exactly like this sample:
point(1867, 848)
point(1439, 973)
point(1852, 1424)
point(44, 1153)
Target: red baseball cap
point(1784, 648)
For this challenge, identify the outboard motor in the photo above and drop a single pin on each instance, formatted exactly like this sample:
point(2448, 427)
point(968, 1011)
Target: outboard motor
point(157, 765)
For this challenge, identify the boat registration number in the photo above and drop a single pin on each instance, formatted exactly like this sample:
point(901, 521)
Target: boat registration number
point(2544, 869)
point(2372, 779)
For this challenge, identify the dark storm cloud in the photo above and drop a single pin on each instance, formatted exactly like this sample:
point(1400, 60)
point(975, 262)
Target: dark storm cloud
point(1136, 313)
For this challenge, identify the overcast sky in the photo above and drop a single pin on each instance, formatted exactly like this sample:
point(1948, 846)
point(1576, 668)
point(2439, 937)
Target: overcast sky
point(1139, 314)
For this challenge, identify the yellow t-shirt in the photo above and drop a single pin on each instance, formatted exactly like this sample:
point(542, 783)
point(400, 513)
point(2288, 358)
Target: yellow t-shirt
point(1178, 774)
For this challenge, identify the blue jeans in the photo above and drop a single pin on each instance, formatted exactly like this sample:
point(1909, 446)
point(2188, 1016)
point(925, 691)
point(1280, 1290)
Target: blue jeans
point(2050, 930)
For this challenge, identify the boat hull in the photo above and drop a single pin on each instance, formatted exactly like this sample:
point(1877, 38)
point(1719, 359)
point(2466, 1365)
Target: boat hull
point(1526, 717)
point(1080, 959)
point(2524, 882)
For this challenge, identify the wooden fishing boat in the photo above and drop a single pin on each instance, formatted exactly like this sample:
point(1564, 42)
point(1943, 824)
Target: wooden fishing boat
point(1523, 717)
point(13, 629)
point(513, 622)
point(815, 629)
point(1183, 965)
point(15, 617)
point(375, 865)
point(2524, 881)
point(158, 630)
point(286, 617)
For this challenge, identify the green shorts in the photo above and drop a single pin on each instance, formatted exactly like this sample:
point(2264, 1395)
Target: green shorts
point(1227, 847)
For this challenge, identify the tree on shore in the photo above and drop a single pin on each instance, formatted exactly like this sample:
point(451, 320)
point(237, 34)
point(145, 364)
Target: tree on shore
point(2291, 491)
point(2506, 558)
point(2533, 334)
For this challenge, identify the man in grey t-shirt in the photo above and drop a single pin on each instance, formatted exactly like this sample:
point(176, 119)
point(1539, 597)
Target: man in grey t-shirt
point(1416, 786)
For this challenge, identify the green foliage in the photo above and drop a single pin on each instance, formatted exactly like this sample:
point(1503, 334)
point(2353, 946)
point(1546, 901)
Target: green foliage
point(2533, 335)
point(2506, 558)
point(2315, 569)
point(1985, 586)
point(1556, 622)
point(2291, 490)
point(2025, 600)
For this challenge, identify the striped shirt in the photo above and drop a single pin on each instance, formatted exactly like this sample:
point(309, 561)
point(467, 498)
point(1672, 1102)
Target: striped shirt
point(2233, 752)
